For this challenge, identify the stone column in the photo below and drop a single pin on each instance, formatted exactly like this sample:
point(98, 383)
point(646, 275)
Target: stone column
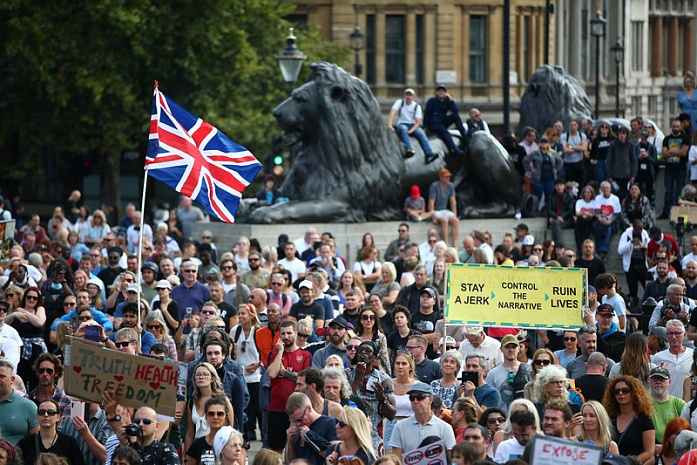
point(494, 75)
point(430, 23)
point(465, 37)
point(656, 40)
point(572, 45)
point(687, 44)
point(410, 46)
point(380, 79)
point(673, 46)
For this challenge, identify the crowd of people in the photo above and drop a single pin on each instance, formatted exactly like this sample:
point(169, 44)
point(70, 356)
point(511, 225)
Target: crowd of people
point(348, 360)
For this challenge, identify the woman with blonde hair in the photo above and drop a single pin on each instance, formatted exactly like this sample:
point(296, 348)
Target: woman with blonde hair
point(507, 431)
point(207, 385)
point(155, 324)
point(334, 361)
point(388, 459)
point(387, 288)
point(595, 428)
point(303, 330)
point(14, 295)
point(353, 431)
point(552, 383)
point(267, 457)
point(98, 228)
point(405, 377)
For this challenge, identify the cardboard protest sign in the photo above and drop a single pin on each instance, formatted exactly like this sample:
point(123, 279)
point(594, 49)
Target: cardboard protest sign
point(7, 233)
point(432, 454)
point(493, 295)
point(137, 381)
point(687, 212)
point(548, 450)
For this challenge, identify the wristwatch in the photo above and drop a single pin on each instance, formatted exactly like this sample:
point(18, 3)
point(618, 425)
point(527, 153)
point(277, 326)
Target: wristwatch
point(116, 417)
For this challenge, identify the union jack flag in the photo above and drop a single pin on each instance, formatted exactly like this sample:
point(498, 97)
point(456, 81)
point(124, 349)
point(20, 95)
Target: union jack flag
point(197, 160)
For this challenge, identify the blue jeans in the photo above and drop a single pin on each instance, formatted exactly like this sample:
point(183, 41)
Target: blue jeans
point(603, 236)
point(675, 181)
point(599, 170)
point(402, 131)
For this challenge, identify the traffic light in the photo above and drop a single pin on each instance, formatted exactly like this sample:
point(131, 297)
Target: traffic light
point(278, 160)
point(277, 156)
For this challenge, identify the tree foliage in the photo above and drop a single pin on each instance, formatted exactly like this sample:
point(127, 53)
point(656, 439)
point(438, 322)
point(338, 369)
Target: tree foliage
point(85, 69)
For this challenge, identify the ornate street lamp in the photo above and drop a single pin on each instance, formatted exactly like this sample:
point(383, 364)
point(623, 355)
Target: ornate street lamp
point(618, 53)
point(357, 44)
point(597, 31)
point(290, 60)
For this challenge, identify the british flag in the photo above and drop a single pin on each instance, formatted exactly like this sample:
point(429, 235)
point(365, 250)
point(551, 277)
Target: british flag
point(197, 160)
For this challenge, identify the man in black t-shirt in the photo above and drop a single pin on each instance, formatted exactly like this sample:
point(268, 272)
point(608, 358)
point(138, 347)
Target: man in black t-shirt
point(424, 321)
point(675, 147)
point(592, 384)
point(310, 433)
point(307, 306)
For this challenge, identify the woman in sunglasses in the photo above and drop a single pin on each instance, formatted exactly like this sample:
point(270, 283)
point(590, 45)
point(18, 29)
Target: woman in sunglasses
point(244, 339)
point(29, 320)
point(540, 359)
point(156, 325)
point(201, 450)
point(352, 428)
point(368, 329)
point(630, 407)
point(207, 385)
point(492, 419)
point(48, 439)
point(595, 428)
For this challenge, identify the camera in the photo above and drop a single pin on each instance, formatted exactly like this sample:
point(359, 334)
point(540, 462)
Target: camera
point(672, 308)
point(133, 430)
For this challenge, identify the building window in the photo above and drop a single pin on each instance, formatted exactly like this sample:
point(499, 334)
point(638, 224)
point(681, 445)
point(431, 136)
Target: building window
point(419, 49)
point(526, 48)
point(370, 49)
point(394, 49)
point(478, 48)
point(299, 21)
point(637, 45)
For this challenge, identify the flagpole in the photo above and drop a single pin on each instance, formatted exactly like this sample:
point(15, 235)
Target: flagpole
point(140, 253)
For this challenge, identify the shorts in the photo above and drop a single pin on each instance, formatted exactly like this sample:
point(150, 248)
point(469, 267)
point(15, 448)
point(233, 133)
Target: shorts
point(443, 214)
point(278, 424)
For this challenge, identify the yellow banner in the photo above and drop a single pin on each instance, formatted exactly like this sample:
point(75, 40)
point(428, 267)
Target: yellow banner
point(492, 295)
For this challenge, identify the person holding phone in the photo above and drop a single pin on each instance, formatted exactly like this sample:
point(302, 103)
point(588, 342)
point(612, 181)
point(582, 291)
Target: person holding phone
point(475, 387)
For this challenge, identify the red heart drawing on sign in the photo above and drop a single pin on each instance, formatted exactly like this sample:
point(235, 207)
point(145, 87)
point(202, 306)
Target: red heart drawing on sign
point(77, 369)
point(154, 385)
point(118, 378)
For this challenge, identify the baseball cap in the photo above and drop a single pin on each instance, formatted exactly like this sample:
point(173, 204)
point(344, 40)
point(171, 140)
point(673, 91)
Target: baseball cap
point(606, 309)
point(591, 289)
point(660, 371)
point(339, 320)
point(615, 459)
point(163, 284)
point(529, 240)
point(441, 86)
point(522, 226)
point(420, 387)
point(509, 339)
point(428, 290)
point(133, 288)
point(544, 139)
point(409, 90)
point(305, 283)
point(449, 340)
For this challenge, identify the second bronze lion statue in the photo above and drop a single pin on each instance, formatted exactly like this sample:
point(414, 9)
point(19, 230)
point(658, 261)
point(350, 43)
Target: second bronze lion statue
point(348, 166)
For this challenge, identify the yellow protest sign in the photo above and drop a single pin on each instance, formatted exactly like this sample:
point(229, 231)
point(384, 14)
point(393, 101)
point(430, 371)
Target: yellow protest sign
point(492, 295)
point(137, 381)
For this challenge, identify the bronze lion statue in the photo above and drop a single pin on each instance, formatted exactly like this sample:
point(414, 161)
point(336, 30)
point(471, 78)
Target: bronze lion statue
point(552, 95)
point(348, 166)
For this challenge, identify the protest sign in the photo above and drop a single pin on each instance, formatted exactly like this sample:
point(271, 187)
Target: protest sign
point(687, 212)
point(137, 381)
point(7, 234)
point(548, 450)
point(432, 454)
point(492, 295)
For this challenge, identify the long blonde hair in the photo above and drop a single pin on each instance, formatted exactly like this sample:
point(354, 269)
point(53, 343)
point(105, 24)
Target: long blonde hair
point(603, 421)
point(356, 419)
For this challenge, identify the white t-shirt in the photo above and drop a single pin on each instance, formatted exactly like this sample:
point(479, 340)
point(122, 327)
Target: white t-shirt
point(490, 348)
point(408, 113)
point(678, 367)
point(508, 450)
point(583, 206)
point(609, 206)
point(692, 158)
point(295, 266)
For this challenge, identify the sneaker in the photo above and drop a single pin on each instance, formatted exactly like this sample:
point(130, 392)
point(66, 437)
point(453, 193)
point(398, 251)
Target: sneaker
point(431, 158)
point(517, 215)
point(410, 153)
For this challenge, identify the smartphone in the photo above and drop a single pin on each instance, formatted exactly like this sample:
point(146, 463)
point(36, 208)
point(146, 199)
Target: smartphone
point(77, 409)
point(369, 385)
point(470, 376)
point(93, 333)
point(189, 311)
point(74, 322)
point(575, 408)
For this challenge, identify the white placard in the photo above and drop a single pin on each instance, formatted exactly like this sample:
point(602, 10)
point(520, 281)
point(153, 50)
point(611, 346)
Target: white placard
point(547, 450)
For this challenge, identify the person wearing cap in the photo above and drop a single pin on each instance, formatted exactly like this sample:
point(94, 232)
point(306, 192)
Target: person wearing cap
point(408, 433)
point(665, 406)
point(337, 346)
point(647, 155)
point(424, 321)
point(441, 195)
point(307, 306)
point(510, 377)
point(441, 112)
point(373, 387)
point(560, 209)
point(542, 167)
point(611, 339)
point(269, 193)
point(415, 205)
point(149, 272)
point(409, 117)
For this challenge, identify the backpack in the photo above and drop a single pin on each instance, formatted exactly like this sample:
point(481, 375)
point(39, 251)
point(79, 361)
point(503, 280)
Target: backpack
point(573, 388)
point(238, 331)
point(401, 104)
point(284, 299)
point(522, 377)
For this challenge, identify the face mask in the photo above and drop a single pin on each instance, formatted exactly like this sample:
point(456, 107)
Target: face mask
point(56, 286)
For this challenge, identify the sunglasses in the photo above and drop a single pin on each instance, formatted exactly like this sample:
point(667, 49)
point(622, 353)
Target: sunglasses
point(123, 343)
point(227, 267)
point(340, 423)
point(10, 294)
point(624, 390)
point(145, 421)
point(50, 371)
point(208, 312)
point(368, 317)
point(188, 271)
point(419, 397)
point(537, 249)
point(304, 336)
point(491, 421)
point(351, 347)
point(206, 237)
point(252, 259)
point(365, 350)
point(50, 412)
point(85, 318)
point(32, 297)
point(569, 339)
point(543, 362)
point(154, 326)
point(68, 304)
point(215, 414)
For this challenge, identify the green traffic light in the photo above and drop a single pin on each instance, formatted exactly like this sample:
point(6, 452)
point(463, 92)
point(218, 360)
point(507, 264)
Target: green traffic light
point(278, 160)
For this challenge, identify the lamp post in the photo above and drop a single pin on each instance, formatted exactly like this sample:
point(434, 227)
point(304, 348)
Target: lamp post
point(357, 44)
point(618, 53)
point(290, 60)
point(597, 31)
